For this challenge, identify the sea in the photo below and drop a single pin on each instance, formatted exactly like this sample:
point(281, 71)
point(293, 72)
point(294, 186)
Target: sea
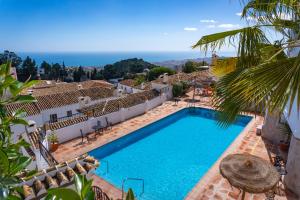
point(99, 59)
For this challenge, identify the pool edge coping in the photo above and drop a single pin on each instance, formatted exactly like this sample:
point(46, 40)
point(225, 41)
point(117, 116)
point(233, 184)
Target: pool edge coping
point(214, 169)
point(215, 166)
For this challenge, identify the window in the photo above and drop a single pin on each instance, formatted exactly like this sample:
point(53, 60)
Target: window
point(69, 113)
point(53, 118)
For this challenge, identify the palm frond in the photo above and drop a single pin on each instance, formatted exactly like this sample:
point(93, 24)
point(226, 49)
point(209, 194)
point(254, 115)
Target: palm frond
point(221, 67)
point(272, 84)
point(246, 39)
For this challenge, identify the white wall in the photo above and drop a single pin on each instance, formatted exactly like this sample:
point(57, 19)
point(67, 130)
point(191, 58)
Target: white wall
point(73, 131)
point(60, 111)
point(20, 129)
point(128, 88)
point(166, 89)
point(293, 119)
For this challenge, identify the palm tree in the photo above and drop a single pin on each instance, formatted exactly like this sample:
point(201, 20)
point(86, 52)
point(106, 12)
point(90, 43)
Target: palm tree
point(263, 73)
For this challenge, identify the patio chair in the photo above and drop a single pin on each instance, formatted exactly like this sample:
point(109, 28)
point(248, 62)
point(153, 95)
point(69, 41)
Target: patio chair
point(99, 128)
point(88, 139)
point(108, 124)
point(82, 137)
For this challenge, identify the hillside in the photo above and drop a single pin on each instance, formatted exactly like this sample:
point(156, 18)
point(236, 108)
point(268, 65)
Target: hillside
point(128, 66)
point(173, 64)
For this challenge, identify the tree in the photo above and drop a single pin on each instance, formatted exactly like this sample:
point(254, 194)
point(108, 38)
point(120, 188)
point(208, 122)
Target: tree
point(157, 71)
point(55, 71)
point(189, 67)
point(125, 67)
point(27, 70)
point(139, 80)
point(12, 161)
point(63, 72)
point(47, 70)
point(78, 74)
point(179, 89)
point(263, 74)
point(9, 56)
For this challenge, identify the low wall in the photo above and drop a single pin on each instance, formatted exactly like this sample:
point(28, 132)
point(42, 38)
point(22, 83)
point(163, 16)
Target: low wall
point(70, 132)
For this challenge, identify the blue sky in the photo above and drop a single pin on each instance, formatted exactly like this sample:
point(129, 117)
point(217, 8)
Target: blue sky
point(112, 25)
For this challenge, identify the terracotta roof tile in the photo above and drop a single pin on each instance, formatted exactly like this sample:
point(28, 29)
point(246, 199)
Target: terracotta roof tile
point(55, 100)
point(123, 102)
point(67, 122)
point(61, 175)
point(198, 76)
point(51, 87)
point(132, 83)
point(28, 108)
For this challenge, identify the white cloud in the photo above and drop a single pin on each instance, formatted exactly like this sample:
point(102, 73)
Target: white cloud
point(208, 21)
point(165, 33)
point(229, 26)
point(190, 29)
point(238, 14)
point(211, 26)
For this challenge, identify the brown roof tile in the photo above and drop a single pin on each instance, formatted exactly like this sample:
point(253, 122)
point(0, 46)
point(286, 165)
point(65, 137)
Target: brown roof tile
point(28, 108)
point(123, 102)
point(67, 122)
point(198, 76)
point(51, 87)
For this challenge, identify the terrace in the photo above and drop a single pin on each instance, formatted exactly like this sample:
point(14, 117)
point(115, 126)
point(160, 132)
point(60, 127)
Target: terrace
point(212, 185)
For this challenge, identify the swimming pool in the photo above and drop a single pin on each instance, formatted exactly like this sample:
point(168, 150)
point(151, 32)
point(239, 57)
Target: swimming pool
point(170, 155)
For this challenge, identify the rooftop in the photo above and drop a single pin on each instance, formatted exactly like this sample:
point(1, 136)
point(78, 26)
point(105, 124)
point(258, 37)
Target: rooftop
point(47, 87)
point(198, 76)
point(59, 96)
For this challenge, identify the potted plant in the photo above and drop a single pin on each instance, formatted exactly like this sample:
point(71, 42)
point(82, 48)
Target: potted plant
point(285, 144)
point(52, 138)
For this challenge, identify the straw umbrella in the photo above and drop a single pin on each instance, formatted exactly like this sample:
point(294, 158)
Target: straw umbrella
point(249, 173)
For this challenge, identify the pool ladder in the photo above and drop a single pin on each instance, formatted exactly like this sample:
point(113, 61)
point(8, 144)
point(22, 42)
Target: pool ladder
point(133, 179)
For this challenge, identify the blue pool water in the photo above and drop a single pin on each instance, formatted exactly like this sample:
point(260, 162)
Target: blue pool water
point(170, 155)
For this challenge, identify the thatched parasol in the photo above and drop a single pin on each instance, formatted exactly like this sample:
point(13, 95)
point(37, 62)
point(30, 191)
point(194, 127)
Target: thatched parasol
point(249, 173)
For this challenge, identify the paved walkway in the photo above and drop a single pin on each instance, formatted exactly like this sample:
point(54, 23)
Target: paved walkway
point(211, 186)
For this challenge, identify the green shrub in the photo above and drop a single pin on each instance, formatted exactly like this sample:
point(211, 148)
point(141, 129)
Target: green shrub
point(177, 89)
point(155, 72)
point(189, 67)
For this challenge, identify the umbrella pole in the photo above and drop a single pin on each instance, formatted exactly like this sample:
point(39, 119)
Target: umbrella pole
point(243, 195)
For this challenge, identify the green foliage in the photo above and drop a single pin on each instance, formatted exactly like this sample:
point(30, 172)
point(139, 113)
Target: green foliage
point(139, 80)
point(124, 67)
point(11, 160)
point(130, 195)
point(52, 137)
point(28, 70)
point(97, 74)
point(54, 71)
point(83, 191)
point(263, 73)
point(154, 73)
point(179, 89)
point(189, 67)
point(78, 74)
point(8, 56)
